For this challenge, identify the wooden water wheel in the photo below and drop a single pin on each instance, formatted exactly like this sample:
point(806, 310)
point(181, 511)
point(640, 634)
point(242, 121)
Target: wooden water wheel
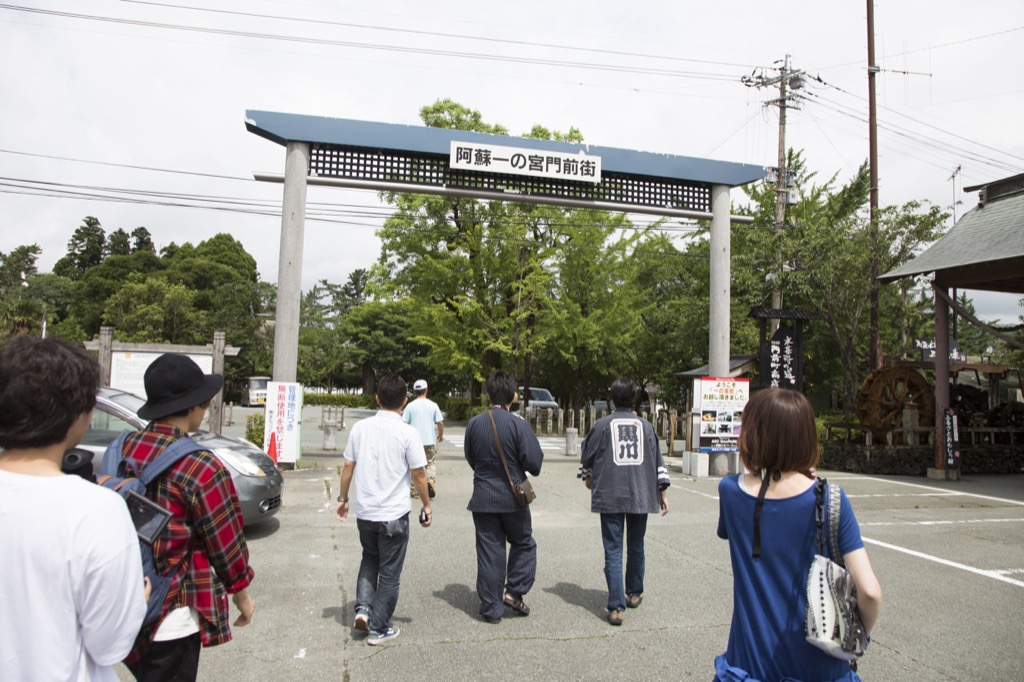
point(887, 391)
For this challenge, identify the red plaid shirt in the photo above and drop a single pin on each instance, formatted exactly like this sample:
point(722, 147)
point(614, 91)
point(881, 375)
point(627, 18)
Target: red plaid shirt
point(203, 544)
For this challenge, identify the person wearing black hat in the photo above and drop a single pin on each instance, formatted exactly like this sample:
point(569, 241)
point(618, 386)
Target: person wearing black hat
point(203, 546)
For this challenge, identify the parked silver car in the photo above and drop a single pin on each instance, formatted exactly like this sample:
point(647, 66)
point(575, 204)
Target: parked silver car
point(258, 481)
point(540, 399)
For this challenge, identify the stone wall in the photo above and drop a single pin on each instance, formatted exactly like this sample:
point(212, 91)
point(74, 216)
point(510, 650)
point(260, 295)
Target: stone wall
point(914, 461)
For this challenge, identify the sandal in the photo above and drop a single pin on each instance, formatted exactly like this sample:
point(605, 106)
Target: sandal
point(516, 603)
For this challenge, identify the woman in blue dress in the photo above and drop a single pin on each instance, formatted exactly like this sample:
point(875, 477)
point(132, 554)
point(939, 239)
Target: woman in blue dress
point(779, 443)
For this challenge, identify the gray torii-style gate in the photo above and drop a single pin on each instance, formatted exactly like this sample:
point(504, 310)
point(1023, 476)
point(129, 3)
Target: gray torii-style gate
point(423, 160)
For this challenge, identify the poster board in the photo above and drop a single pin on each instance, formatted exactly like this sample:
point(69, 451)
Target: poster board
point(721, 401)
point(128, 368)
point(282, 428)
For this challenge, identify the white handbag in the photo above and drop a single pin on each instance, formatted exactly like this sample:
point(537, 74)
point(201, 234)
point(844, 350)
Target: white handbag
point(833, 621)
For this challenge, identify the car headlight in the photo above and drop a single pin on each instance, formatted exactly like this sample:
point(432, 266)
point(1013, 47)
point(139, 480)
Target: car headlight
point(239, 462)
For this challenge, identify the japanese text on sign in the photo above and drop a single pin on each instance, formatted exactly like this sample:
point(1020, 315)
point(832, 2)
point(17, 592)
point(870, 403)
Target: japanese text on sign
point(518, 161)
point(782, 359)
point(282, 432)
point(722, 400)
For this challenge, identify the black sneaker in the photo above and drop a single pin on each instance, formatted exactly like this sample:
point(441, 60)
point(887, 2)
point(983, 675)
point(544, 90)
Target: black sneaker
point(378, 638)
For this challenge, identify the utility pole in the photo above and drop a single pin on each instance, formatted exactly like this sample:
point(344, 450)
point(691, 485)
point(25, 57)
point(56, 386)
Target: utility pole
point(788, 81)
point(875, 348)
point(953, 178)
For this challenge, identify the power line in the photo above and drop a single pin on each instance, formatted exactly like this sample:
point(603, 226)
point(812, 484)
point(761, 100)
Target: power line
point(919, 122)
point(378, 46)
point(438, 34)
point(930, 47)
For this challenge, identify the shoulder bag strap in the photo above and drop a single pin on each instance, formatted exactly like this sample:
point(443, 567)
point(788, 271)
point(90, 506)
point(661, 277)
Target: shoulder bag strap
point(820, 487)
point(501, 451)
point(832, 504)
point(168, 458)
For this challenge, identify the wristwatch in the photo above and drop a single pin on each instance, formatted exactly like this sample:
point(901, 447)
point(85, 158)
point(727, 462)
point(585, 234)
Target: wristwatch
point(343, 500)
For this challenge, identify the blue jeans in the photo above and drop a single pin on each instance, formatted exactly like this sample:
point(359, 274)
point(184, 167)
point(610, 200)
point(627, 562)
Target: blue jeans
point(612, 528)
point(380, 572)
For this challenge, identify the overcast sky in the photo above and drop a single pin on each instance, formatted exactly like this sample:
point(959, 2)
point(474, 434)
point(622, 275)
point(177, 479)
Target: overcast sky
point(134, 112)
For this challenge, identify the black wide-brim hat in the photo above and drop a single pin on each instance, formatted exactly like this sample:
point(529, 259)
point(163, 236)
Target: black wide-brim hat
point(175, 383)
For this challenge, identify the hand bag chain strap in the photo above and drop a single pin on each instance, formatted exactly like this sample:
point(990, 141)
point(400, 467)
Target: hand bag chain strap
point(832, 515)
point(826, 511)
point(501, 451)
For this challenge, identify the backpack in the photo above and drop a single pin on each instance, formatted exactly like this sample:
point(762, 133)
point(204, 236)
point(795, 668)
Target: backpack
point(150, 519)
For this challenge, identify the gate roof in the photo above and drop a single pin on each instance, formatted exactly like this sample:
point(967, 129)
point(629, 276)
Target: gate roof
point(422, 140)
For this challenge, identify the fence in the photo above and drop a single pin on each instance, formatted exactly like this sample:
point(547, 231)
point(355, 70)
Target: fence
point(556, 422)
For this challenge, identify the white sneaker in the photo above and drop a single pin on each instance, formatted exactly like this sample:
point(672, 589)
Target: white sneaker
point(362, 622)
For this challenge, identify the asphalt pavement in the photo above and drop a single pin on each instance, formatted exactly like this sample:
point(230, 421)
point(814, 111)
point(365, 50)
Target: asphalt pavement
point(949, 555)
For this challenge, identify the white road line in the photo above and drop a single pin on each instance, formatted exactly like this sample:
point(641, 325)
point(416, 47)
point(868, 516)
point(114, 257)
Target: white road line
point(941, 490)
point(995, 575)
point(938, 523)
point(1009, 571)
point(695, 492)
point(942, 494)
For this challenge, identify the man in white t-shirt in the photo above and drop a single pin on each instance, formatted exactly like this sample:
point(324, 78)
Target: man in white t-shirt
point(424, 414)
point(382, 455)
point(72, 596)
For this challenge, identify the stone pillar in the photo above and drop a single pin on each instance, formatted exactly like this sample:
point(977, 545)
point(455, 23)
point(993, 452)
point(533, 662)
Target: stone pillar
point(216, 412)
point(106, 349)
point(572, 443)
point(721, 254)
point(289, 271)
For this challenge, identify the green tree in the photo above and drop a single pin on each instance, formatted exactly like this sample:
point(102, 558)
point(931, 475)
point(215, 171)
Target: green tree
point(17, 266)
point(671, 304)
point(119, 243)
point(151, 310)
point(830, 256)
point(480, 273)
point(142, 240)
point(382, 340)
point(591, 321)
point(86, 249)
point(97, 284)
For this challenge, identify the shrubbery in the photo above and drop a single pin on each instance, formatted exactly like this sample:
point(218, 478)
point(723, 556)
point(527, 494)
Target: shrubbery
point(457, 409)
point(254, 427)
point(346, 399)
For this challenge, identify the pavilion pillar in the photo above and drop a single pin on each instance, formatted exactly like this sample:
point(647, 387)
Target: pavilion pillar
point(941, 379)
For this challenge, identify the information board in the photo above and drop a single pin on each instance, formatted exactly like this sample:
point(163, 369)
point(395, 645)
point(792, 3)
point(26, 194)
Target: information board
point(722, 400)
point(128, 369)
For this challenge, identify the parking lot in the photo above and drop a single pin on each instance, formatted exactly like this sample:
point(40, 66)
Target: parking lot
point(949, 555)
